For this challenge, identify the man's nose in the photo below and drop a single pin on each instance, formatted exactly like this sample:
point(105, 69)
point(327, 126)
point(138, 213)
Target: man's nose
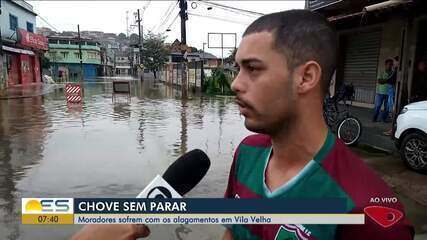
point(237, 85)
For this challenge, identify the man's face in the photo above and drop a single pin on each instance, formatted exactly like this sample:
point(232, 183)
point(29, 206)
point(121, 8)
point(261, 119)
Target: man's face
point(264, 85)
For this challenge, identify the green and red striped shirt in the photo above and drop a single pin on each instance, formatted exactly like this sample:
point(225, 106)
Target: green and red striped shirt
point(333, 172)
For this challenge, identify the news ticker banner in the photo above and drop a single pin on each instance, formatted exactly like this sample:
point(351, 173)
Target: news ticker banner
point(186, 211)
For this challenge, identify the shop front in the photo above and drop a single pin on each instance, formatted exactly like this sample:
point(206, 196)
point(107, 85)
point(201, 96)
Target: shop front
point(22, 59)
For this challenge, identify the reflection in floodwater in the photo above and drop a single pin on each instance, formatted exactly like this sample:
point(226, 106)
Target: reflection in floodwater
point(23, 126)
point(101, 148)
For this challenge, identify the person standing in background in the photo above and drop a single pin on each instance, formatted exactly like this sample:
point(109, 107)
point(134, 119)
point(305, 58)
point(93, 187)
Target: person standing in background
point(391, 85)
point(382, 91)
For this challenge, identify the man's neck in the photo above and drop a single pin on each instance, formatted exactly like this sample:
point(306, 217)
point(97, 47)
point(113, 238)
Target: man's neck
point(297, 144)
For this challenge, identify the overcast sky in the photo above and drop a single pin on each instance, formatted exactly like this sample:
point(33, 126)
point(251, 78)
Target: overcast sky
point(110, 16)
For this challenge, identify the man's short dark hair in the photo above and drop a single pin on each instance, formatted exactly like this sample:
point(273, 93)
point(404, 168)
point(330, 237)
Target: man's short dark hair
point(301, 35)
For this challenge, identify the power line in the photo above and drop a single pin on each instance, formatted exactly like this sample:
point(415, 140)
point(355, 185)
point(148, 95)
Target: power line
point(166, 16)
point(173, 21)
point(217, 18)
point(44, 20)
point(165, 21)
point(229, 8)
point(145, 7)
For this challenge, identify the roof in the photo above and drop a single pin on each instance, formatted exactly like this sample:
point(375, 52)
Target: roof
point(24, 5)
point(64, 37)
point(204, 55)
point(207, 55)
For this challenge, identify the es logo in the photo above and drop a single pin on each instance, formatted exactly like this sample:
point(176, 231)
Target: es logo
point(47, 205)
point(159, 192)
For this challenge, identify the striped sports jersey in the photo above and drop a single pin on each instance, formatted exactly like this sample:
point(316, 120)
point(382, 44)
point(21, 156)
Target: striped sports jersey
point(333, 172)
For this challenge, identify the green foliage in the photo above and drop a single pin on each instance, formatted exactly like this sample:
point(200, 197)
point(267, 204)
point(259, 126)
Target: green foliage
point(154, 53)
point(230, 59)
point(45, 62)
point(218, 83)
point(122, 36)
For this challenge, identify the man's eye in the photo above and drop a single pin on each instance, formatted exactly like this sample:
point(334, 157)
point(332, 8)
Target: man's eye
point(252, 69)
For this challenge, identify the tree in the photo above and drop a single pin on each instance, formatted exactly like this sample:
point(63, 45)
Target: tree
point(154, 53)
point(45, 62)
point(121, 36)
point(134, 38)
point(230, 59)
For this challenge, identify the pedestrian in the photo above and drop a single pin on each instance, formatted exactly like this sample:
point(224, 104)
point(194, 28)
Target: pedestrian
point(381, 98)
point(286, 61)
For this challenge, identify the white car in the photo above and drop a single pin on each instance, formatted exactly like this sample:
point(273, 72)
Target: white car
point(411, 135)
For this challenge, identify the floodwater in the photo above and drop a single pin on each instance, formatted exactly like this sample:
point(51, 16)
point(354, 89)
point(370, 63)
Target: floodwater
point(113, 149)
point(109, 149)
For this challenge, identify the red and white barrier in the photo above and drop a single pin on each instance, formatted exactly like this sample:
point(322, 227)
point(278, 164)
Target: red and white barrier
point(73, 93)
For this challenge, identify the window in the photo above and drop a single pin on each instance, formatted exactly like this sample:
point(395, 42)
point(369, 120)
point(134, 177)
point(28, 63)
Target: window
point(77, 55)
point(64, 54)
point(64, 42)
point(13, 22)
point(30, 27)
point(91, 43)
point(53, 41)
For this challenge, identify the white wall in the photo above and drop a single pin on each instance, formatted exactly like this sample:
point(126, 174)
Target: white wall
point(22, 15)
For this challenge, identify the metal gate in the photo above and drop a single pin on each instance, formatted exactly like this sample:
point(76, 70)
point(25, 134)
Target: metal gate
point(361, 62)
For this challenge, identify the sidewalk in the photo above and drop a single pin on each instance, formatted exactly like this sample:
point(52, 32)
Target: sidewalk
point(28, 91)
point(372, 132)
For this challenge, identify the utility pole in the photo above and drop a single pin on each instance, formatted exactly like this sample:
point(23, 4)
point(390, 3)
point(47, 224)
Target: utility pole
point(184, 17)
point(202, 75)
point(80, 53)
point(140, 45)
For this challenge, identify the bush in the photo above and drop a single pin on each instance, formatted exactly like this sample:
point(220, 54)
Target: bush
point(218, 83)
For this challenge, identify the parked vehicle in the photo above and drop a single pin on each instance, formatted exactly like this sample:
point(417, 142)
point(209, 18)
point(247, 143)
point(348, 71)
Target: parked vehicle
point(411, 135)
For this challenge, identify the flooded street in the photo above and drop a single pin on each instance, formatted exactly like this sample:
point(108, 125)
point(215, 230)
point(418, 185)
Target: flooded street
point(113, 149)
point(106, 149)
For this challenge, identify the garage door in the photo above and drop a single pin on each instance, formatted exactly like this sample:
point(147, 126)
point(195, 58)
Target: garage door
point(360, 63)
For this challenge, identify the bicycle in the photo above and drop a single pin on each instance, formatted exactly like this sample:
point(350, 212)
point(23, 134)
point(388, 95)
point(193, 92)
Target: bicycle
point(347, 127)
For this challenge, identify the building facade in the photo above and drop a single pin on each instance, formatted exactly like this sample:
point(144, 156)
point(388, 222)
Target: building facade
point(123, 64)
point(371, 32)
point(65, 59)
point(21, 48)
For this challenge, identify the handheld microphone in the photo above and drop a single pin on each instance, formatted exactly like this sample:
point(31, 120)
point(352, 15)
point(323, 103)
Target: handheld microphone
point(180, 177)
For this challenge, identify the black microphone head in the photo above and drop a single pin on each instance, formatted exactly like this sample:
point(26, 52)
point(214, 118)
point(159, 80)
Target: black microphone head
point(187, 171)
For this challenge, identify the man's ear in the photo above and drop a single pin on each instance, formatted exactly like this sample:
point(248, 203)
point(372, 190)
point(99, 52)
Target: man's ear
point(309, 76)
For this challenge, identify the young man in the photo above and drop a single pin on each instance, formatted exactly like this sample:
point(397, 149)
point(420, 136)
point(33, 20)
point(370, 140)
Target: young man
point(383, 88)
point(286, 61)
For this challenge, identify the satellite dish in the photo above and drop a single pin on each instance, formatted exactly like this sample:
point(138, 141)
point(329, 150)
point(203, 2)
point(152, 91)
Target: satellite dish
point(193, 5)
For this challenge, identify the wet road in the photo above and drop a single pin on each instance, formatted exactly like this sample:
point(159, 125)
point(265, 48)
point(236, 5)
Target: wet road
point(106, 149)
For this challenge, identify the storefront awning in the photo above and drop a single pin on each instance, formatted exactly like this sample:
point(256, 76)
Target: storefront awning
point(17, 50)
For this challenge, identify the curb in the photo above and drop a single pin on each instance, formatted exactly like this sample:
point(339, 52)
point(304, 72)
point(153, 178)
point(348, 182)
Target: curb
point(59, 86)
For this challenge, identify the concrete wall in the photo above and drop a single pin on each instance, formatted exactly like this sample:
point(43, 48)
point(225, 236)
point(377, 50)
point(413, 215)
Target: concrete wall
point(390, 41)
point(22, 15)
